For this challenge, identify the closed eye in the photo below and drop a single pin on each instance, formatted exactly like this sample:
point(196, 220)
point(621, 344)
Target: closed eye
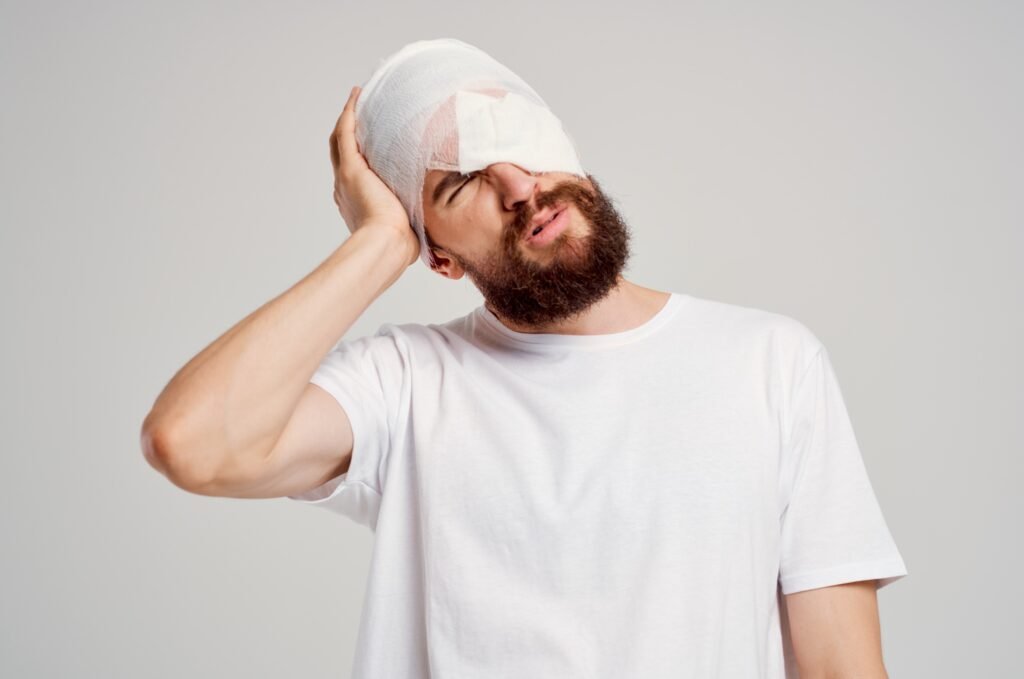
point(468, 178)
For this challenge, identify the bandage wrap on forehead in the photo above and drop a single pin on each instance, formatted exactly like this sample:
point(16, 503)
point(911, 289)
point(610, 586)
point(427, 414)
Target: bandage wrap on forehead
point(447, 105)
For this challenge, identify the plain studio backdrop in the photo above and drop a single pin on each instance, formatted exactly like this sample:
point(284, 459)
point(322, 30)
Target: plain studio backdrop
point(165, 171)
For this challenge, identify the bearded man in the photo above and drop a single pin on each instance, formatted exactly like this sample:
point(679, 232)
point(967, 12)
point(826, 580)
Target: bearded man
point(582, 476)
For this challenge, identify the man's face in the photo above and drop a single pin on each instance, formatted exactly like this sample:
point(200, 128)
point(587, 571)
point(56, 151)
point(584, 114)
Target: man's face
point(482, 225)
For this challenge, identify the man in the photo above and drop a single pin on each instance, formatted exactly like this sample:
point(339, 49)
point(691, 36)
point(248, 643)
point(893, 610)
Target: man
point(582, 477)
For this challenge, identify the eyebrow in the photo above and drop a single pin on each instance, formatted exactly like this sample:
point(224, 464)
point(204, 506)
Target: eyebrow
point(449, 180)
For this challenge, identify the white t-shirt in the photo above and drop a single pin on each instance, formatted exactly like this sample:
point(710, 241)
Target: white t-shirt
point(632, 504)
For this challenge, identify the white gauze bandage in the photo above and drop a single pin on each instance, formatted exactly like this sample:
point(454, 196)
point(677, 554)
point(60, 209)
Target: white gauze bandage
point(447, 105)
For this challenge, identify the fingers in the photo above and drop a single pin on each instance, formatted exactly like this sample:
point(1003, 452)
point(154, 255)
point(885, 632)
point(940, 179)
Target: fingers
point(335, 138)
point(335, 158)
point(344, 151)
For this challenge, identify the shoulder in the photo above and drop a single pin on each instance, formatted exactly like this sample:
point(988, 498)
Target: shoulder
point(426, 340)
point(780, 333)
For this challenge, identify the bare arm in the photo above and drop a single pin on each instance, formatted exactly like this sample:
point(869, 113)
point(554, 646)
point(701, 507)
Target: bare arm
point(220, 424)
point(836, 631)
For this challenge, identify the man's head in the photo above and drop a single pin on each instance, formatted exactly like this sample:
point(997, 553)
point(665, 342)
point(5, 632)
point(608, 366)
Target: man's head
point(438, 110)
point(484, 224)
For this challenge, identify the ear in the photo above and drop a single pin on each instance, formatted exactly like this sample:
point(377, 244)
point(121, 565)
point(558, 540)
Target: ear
point(445, 265)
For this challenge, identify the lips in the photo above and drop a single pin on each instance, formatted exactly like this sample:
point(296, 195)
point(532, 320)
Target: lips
point(540, 220)
point(550, 232)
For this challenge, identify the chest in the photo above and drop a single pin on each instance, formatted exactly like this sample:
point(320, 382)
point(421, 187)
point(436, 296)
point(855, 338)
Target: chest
point(550, 455)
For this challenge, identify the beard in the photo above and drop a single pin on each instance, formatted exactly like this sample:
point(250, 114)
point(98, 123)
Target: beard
point(580, 268)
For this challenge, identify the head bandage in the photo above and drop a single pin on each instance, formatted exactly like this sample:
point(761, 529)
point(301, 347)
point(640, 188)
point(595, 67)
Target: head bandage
point(447, 105)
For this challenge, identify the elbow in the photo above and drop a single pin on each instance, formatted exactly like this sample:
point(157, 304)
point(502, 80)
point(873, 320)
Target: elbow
point(168, 452)
point(153, 448)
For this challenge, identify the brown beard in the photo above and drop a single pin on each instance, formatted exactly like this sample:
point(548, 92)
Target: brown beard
point(580, 269)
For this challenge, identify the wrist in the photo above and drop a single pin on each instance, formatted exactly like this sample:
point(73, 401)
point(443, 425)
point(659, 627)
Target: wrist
point(396, 245)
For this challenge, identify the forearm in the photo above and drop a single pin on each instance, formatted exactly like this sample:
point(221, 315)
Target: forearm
point(228, 405)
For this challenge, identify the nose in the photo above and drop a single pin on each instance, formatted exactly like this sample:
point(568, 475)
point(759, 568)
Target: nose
point(515, 184)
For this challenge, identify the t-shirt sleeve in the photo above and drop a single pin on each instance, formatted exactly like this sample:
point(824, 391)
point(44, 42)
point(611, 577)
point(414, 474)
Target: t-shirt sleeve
point(368, 377)
point(832, 527)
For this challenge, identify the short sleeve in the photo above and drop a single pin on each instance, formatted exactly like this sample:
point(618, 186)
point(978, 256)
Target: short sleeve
point(832, 527)
point(368, 377)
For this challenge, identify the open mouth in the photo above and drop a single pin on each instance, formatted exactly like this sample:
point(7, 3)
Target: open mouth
point(546, 233)
point(540, 228)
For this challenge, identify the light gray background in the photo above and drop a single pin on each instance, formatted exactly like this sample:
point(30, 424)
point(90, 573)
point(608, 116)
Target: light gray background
point(165, 172)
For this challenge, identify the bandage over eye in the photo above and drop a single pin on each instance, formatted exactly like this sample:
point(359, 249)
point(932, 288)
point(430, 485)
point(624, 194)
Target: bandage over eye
point(446, 105)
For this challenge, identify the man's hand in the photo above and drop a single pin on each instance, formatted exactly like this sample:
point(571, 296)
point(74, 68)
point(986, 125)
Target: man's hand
point(361, 196)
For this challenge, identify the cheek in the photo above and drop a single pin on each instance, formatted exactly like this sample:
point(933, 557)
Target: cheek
point(485, 226)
